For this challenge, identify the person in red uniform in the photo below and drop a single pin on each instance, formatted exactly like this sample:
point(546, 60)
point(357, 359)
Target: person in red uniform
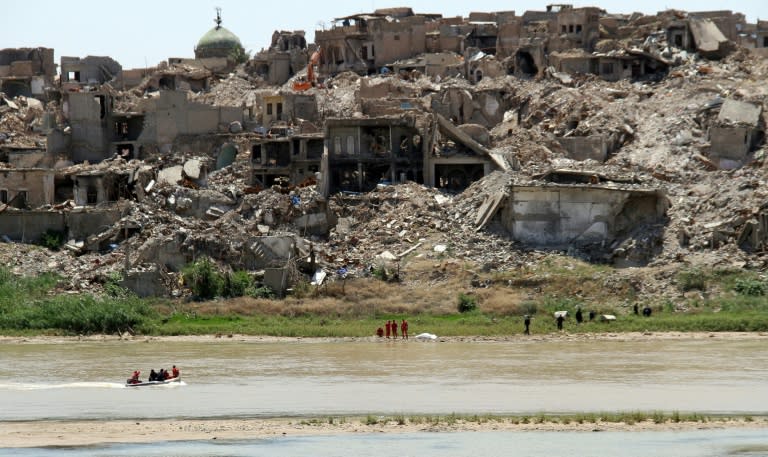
point(404, 329)
point(380, 332)
point(388, 327)
point(394, 329)
point(175, 371)
point(134, 379)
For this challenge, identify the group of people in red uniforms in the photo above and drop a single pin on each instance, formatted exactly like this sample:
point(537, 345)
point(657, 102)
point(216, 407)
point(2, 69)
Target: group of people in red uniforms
point(391, 329)
point(162, 375)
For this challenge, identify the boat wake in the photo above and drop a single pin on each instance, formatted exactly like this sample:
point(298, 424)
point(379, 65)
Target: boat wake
point(68, 385)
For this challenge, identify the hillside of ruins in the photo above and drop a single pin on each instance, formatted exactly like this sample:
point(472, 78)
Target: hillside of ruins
point(488, 143)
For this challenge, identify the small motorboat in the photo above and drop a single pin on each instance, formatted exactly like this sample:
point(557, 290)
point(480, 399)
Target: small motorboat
point(128, 383)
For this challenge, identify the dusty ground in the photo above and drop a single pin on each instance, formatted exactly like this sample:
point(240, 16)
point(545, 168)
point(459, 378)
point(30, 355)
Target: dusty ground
point(623, 336)
point(81, 433)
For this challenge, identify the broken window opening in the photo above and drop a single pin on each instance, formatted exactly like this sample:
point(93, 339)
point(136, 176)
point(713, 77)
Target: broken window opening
point(279, 109)
point(565, 29)
point(314, 149)
point(101, 100)
point(679, 41)
point(337, 145)
point(578, 28)
point(256, 154)
point(478, 76)
point(92, 195)
point(765, 41)
point(21, 199)
point(607, 68)
point(14, 88)
point(278, 154)
point(456, 178)
point(167, 83)
point(526, 63)
point(125, 151)
point(73, 76)
point(269, 109)
point(3, 196)
point(350, 145)
point(570, 28)
point(296, 148)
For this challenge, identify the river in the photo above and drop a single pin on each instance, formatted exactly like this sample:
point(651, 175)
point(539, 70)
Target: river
point(226, 378)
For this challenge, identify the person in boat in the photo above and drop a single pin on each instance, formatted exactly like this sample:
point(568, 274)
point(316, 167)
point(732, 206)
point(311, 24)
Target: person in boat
point(175, 372)
point(153, 375)
point(161, 374)
point(134, 379)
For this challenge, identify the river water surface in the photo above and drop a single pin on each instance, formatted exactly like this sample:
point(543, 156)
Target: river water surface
point(227, 378)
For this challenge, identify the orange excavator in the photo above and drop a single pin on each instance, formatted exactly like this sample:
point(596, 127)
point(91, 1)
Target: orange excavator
point(311, 79)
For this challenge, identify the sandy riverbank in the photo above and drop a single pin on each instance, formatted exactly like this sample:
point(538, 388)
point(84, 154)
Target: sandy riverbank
point(564, 336)
point(83, 433)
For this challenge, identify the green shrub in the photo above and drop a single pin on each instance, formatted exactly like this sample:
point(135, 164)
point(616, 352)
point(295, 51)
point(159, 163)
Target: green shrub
point(81, 314)
point(301, 289)
point(261, 292)
point(467, 303)
point(530, 308)
point(238, 283)
point(113, 288)
point(204, 278)
point(750, 287)
point(692, 279)
point(52, 239)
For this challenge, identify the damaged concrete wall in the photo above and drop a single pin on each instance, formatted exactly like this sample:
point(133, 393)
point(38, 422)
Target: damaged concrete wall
point(574, 215)
point(398, 40)
point(90, 70)
point(87, 112)
point(29, 226)
point(738, 129)
point(171, 114)
point(594, 147)
point(485, 108)
point(27, 188)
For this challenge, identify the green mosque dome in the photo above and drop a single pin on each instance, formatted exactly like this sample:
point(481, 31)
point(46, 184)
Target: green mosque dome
point(217, 42)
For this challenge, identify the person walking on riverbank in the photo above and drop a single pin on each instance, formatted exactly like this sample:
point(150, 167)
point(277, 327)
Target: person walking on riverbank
point(394, 328)
point(560, 318)
point(388, 327)
point(404, 329)
point(527, 323)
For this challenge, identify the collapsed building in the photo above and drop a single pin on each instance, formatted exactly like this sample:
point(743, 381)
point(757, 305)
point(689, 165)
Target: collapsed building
point(28, 72)
point(550, 130)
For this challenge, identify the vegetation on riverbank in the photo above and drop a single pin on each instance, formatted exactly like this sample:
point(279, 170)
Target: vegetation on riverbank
point(461, 303)
point(619, 417)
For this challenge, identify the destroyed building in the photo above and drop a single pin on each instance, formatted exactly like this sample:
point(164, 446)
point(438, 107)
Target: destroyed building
point(26, 71)
point(283, 154)
point(89, 71)
point(738, 129)
point(364, 43)
point(576, 210)
point(620, 138)
point(286, 56)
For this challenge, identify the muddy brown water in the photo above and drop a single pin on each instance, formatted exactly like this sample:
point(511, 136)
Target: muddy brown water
point(226, 378)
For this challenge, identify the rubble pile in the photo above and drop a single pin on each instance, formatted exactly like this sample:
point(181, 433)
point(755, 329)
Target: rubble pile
point(189, 161)
point(20, 122)
point(234, 90)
